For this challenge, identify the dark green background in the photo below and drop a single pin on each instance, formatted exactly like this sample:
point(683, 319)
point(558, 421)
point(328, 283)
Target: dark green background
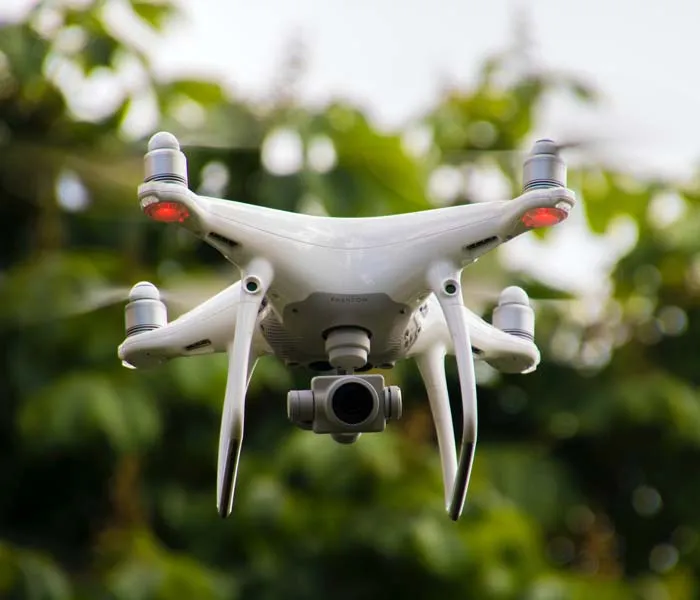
point(586, 481)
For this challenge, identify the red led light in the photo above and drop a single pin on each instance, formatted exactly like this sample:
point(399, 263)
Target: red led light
point(167, 212)
point(543, 217)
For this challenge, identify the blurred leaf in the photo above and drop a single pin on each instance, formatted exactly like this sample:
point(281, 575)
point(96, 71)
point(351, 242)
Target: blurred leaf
point(27, 574)
point(83, 406)
point(144, 569)
point(204, 92)
point(534, 481)
point(583, 91)
point(373, 175)
point(660, 401)
point(154, 12)
point(100, 52)
point(51, 287)
point(26, 52)
point(42, 578)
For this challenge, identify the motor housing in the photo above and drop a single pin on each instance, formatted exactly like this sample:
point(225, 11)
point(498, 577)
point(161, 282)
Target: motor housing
point(145, 310)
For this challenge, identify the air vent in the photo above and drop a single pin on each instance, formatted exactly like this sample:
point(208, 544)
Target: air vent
point(481, 243)
point(520, 333)
point(198, 345)
point(222, 240)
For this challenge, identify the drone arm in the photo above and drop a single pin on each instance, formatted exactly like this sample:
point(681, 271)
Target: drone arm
point(232, 429)
point(444, 281)
point(241, 361)
point(431, 365)
point(503, 351)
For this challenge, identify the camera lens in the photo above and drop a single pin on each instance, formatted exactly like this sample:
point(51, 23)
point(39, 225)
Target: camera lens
point(353, 403)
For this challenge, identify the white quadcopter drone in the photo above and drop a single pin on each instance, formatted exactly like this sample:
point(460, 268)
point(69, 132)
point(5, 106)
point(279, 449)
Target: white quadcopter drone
point(343, 297)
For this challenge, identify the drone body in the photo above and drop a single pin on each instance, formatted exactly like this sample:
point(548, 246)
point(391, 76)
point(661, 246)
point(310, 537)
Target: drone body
point(342, 297)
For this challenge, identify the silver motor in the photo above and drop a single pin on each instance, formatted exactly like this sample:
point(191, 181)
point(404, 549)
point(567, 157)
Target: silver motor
point(514, 314)
point(544, 167)
point(145, 311)
point(164, 160)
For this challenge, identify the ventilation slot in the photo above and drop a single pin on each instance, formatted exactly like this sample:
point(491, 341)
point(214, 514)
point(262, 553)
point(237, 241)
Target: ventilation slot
point(521, 334)
point(222, 240)
point(167, 178)
point(198, 345)
point(481, 243)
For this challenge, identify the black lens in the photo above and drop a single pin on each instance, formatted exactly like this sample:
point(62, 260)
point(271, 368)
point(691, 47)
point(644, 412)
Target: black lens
point(353, 403)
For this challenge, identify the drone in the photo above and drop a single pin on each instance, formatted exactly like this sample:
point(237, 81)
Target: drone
point(345, 298)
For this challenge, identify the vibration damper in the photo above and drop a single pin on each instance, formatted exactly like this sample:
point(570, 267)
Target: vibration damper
point(348, 348)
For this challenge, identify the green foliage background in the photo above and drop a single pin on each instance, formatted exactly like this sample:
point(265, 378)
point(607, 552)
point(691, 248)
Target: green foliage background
point(586, 481)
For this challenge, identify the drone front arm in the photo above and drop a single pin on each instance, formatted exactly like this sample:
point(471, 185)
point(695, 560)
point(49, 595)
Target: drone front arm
point(443, 279)
point(205, 329)
point(431, 365)
point(231, 435)
point(256, 280)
